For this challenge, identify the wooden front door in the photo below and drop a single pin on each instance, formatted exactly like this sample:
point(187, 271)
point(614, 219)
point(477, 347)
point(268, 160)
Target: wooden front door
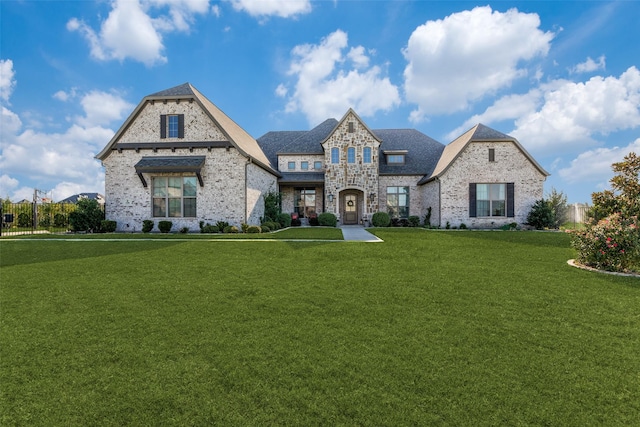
point(350, 209)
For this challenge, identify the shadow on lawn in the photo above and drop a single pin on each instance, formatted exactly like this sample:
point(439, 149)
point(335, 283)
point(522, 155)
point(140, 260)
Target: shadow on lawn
point(40, 251)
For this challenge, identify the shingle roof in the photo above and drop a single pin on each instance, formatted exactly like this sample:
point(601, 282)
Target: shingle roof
point(170, 164)
point(302, 177)
point(184, 89)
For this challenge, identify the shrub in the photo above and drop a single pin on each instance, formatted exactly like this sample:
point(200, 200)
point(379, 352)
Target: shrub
point(313, 221)
point(399, 222)
point(327, 219)
point(272, 206)
point(184, 230)
point(165, 226)
point(222, 225)
point(87, 216)
point(265, 228)
point(414, 221)
point(253, 229)
point(24, 220)
point(380, 219)
point(272, 225)
point(230, 229)
point(244, 227)
point(427, 218)
point(147, 225)
point(284, 219)
point(611, 244)
point(448, 226)
point(541, 215)
point(296, 222)
point(108, 226)
point(509, 227)
point(59, 220)
point(209, 229)
point(463, 226)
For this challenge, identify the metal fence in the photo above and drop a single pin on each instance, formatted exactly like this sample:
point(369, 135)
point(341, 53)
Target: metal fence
point(33, 218)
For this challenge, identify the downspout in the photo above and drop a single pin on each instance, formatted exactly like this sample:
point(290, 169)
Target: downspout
point(246, 189)
point(439, 203)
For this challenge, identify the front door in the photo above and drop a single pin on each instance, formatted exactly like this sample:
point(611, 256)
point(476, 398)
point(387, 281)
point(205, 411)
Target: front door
point(350, 209)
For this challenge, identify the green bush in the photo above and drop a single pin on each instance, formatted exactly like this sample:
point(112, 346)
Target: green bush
point(230, 229)
point(463, 226)
point(24, 220)
point(253, 229)
point(165, 226)
point(184, 230)
point(244, 227)
point(541, 215)
point(380, 219)
point(108, 226)
point(414, 221)
point(209, 229)
point(59, 220)
point(427, 218)
point(87, 216)
point(147, 225)
point(284, 219)
point(222, 225)
point(265, 228)
point(272, 225)
point(327, 219)
point(611, 244)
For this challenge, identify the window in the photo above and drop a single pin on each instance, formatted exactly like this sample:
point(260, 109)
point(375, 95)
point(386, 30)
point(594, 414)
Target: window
point(351, 155)
point(174, 196)
point(291, 165)
point(491, 199)
point(317, 165)
point(304, 166)
point(172, 126)
point(395, 159)
point(492, 154)
point(366, 154)
point(398, 202)
point(335, 155)
point(351, 127)
point(305, 201)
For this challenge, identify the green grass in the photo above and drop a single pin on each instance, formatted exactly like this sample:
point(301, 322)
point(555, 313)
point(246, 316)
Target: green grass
point(427, 328)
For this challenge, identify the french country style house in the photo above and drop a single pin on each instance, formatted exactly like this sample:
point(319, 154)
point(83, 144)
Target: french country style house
point(179, 157)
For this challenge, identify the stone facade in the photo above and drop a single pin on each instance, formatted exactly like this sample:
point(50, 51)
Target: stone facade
point(359, 176)
point(415, 192)
point(473, 166)
point(298, 160)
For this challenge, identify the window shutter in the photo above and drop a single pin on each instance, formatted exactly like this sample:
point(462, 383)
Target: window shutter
point(180, 125)
point(510, 199)
point(163, 126)
point(472, 200)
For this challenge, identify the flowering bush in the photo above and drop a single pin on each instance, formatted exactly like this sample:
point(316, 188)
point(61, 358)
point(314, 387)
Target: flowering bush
point(611, 244)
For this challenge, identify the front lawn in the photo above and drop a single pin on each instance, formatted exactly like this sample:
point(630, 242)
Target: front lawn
point(427, 328)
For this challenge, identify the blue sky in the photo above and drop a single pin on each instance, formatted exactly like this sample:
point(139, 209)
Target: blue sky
point(562, 77)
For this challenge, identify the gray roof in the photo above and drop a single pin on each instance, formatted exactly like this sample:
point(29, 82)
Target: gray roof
point(76, 197)
point(422, 155)
point(302, 178)
point(180, 90)
point(170, 164)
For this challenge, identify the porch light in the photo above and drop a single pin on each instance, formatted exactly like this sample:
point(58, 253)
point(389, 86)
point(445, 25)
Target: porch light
point(330, 197)
point(372, 196)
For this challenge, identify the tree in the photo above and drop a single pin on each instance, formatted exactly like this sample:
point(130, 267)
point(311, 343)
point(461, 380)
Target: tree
point(611, 238)
point(87, 216)
point(558, 202)
point(541, 215)
point(272, 206)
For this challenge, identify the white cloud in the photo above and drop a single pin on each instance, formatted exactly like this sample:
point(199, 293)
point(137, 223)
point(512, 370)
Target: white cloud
point(571, 113)
point(281, 90)
point(7, 79)
point(589, 65)
point(264, 8)
point(7, 185)
point(595, 165)
point(468, 55)
point(131, 32)
point(328, 83)
point(102, 108)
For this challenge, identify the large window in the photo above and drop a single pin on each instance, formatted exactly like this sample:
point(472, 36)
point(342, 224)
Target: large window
point(491, 199)
point(351, 155)
point(174, 196)
point(305, 201)
point(335, 155)
point(366, 154)
point(398, 202)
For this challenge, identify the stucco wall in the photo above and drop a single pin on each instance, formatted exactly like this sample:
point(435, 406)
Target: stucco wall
point(473, 166)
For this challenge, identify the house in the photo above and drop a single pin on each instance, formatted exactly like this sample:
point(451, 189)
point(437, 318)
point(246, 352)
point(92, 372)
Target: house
point(77, 197)
point(179, 157)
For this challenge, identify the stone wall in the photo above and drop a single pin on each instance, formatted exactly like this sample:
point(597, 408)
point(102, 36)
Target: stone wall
point(473, 166)
point(430, 193)
point(415, 192)
point(259, 182)
point(284, 159)
point(359, 175)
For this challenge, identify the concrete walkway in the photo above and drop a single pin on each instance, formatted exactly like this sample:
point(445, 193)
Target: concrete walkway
point(357, 233)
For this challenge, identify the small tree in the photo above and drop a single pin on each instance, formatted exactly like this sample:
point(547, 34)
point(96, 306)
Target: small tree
point(558, 202)
point(87, 216)
point(272, 206)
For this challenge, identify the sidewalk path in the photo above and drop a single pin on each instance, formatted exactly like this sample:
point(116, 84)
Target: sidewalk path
point(357, 233)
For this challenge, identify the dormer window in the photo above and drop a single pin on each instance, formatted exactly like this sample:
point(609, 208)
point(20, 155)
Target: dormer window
point(351, 127)
point(395, 157)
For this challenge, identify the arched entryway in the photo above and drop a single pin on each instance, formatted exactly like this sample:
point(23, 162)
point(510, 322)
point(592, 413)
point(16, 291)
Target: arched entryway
point(351, 206)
